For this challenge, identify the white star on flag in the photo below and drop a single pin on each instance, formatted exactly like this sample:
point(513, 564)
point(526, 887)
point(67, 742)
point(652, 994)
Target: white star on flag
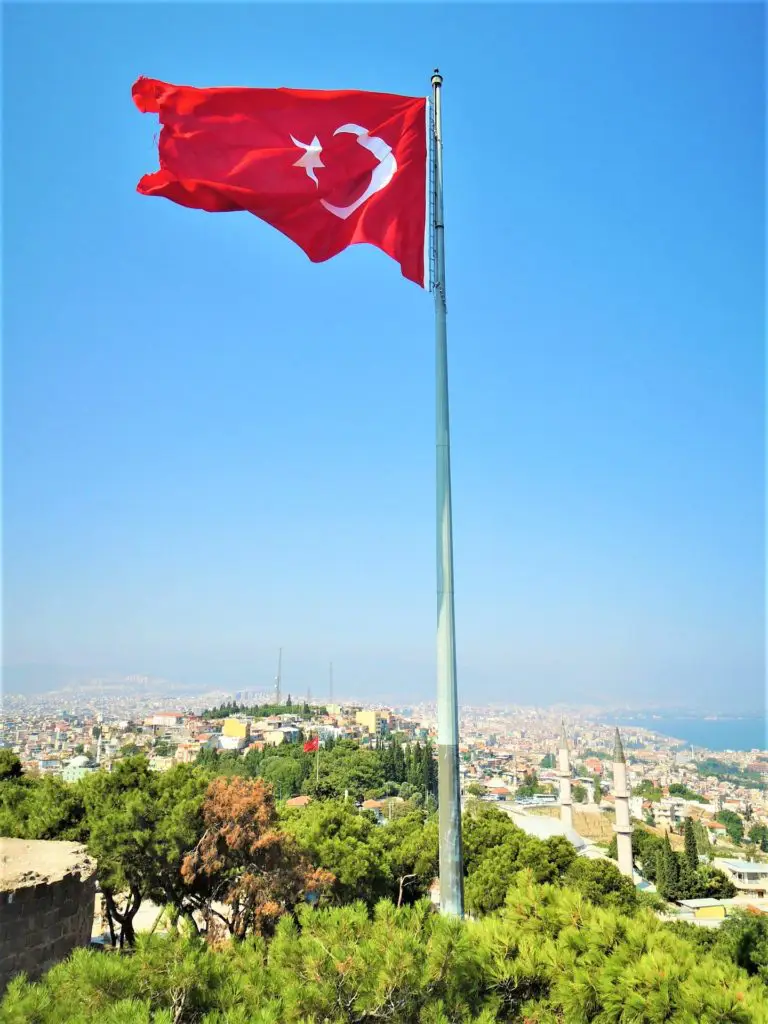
point(311, 158)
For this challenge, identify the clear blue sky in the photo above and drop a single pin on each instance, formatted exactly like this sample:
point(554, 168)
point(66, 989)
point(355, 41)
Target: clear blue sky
point(214, 448)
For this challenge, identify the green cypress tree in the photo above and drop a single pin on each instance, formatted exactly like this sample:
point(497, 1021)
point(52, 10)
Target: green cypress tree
point(388, 764)
point(691, 850)
point(429, 771)
point(671, 870)
point(661, 874)
point(399, 762)
point(416, 778)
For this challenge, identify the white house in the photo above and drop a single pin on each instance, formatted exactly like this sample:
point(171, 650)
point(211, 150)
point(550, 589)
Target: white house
point(748, 876)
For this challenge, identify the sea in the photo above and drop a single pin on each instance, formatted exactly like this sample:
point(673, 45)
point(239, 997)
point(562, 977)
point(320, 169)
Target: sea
point(710, 733)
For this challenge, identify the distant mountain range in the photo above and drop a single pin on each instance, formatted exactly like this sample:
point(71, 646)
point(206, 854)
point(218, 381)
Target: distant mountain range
point(32, 679)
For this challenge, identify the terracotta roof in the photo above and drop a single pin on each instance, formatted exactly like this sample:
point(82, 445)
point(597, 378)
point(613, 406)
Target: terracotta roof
point(298, 801)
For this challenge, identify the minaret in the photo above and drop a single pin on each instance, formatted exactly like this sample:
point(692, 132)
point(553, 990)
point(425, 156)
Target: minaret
point(623, 826)
point(564, 774)
point(278, 694)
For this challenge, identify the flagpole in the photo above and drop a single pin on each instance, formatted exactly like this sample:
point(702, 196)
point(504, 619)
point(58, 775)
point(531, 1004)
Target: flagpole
point(451, 867)
point(317, 761)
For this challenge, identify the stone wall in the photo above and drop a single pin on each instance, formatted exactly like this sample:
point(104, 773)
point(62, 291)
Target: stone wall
point(46, 904)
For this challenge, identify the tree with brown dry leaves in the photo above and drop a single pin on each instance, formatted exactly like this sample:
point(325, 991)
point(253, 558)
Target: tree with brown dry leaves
point(247, 863)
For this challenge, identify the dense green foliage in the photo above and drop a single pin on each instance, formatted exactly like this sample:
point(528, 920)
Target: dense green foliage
point(397, 860)
point(758, 835)
point(164, 748)
point(235, 710)
point(139, 825)
point(703, 844)
point(648, 791)
point(555, 938)
point(136, 823)
point(742, 938)
point(548, 957)
point(10, 765)
point(691, 849)
point(734, 825)
point(346, 770)
point(678, 789)
point(724, 771)
point(530, 786)
point(674, 874)
point(41, 807)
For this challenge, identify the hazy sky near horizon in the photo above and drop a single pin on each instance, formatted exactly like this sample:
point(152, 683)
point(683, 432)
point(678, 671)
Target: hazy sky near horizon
point(213, 448)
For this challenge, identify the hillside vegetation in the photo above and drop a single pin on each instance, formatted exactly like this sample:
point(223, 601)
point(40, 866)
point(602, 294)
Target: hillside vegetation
point(291, 916)
point(548, 957)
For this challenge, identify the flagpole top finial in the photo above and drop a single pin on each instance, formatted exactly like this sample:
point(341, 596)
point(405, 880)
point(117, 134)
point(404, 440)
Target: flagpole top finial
point(437, 78)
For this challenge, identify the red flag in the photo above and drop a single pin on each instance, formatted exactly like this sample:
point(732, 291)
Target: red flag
point(312, 745)
point(328, 169)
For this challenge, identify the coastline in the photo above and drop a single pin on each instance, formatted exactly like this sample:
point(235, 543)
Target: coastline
point(716, 734)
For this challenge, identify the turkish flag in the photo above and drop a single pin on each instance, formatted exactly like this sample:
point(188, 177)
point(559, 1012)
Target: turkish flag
point(328, 169)
point(312, 745)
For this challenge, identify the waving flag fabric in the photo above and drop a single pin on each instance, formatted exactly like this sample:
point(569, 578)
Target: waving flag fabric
point(327, 169)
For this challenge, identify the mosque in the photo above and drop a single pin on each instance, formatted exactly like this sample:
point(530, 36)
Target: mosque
point(545, 828)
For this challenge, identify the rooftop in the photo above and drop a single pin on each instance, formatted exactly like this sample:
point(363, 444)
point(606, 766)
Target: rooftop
point(546, 828)
point(744, 865)
point(298, 801)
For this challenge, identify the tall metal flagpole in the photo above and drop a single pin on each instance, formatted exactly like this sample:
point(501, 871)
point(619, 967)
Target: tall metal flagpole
point(451, 866)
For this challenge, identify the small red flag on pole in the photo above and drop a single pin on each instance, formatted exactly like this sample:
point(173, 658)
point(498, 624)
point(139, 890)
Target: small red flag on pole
point(312, 745)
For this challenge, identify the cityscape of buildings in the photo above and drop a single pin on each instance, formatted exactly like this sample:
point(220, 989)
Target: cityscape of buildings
point(73, 733)
point(553, 771)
